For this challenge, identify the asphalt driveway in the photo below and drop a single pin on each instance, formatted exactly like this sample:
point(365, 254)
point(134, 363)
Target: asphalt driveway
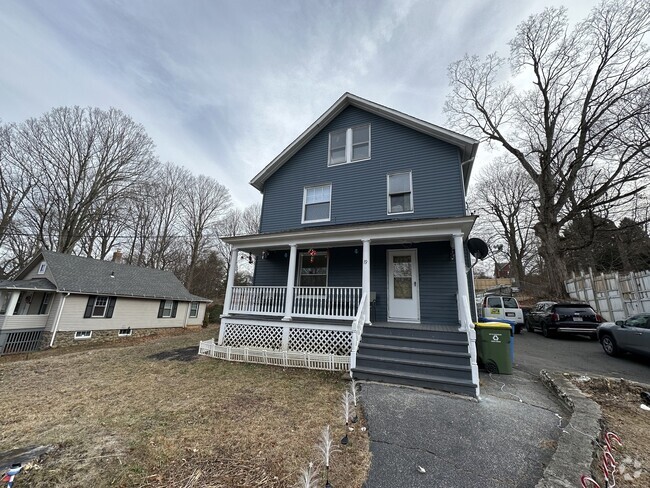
point(534, 352)
point(506, 440)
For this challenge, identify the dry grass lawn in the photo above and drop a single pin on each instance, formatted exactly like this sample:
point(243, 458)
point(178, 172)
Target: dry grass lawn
point(156, 414)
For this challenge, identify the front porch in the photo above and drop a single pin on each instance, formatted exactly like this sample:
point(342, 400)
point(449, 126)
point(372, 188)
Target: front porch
point(314, 291)
point(24, 313)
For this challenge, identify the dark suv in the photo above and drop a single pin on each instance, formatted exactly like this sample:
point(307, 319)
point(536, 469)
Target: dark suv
point(573, 318)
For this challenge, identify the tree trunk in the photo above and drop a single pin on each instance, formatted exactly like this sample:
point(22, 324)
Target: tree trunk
point(551, 252)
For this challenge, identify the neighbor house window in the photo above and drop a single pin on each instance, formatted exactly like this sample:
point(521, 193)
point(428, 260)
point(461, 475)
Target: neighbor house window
point(124, 332)
point(83, 334)
point(4, 300)
point(313, 269)
point(317, 204)
point(167, 309)
point(100, 307)
point(42, 268)
point(400, 193)
point(194, 309)
point(349, 145)
point(45, 303)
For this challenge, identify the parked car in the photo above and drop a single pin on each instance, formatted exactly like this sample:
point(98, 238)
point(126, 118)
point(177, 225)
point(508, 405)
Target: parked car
point(574, 318)
point(631, 335)
point(502, 307)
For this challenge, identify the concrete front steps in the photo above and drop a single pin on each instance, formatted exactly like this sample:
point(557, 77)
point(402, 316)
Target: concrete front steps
point(415, 356)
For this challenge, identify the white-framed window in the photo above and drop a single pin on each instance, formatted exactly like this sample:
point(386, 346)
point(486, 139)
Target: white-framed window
point(167, 308)
point(349, 145)
point(124, 332)
point(100, 307)
point(83, 334)
point(194, 310)
point(42, 268)
point(317, 204)
point(400, 193)
point(312, 270)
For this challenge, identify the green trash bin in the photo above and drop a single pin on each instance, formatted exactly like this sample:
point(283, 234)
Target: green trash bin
point(493, 346)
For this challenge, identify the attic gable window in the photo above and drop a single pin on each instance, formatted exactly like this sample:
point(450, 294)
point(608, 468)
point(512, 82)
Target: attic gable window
point(42, 268)
point(349, 145)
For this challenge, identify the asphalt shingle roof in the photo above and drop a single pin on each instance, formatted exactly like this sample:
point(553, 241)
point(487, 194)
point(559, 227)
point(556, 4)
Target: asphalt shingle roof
point(97, 277)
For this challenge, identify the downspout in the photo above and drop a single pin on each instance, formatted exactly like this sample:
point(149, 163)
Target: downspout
point(187, 315)
point(58, 318)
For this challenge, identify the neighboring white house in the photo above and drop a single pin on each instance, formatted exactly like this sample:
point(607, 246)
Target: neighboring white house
point(62, 299)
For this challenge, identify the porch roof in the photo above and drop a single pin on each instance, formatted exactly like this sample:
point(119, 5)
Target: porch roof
point(36, 284)
point(385, 232)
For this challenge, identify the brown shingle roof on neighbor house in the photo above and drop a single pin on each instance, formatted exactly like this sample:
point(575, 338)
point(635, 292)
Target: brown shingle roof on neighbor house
point(89, 276)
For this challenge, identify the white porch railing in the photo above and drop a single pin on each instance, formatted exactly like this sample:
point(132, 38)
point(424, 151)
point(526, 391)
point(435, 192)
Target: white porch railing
point(466, 324)
point(326, 302)
point(308, 301)
point(357, 331)
point(258, 300)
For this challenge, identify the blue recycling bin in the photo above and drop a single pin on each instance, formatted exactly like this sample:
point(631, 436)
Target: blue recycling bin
point(512, 324)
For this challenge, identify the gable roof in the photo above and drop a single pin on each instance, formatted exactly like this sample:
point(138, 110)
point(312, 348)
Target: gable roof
point(89, 276)
point(467, 145)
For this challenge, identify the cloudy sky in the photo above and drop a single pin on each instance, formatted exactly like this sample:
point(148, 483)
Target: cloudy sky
point(223, 86)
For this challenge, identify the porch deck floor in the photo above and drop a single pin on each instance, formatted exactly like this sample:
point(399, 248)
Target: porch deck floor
point(319, 321)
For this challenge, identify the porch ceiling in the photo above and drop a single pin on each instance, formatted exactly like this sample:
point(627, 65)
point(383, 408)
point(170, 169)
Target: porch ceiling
point(393, 232)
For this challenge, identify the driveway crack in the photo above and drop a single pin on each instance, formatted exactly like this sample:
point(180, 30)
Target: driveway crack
point(440, 458)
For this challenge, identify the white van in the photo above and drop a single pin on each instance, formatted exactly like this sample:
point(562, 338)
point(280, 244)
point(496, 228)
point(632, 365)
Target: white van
point(500, 307)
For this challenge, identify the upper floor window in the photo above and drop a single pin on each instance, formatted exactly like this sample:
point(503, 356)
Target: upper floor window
point(400, 193)
point(317, 204)
point(349, 145)
point(42, 268)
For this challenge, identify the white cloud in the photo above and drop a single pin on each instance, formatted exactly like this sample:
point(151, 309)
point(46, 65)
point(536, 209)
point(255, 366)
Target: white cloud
point(223, 87)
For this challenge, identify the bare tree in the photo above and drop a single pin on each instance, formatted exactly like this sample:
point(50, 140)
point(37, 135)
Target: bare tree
point(505, 194)
point(251, 219)
point(16, 181)
point(235, 223)
point(205, 202)
point(588, 110)
point(87, 159)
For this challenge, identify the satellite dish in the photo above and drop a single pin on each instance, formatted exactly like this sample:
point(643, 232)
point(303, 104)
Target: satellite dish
point(477, 248)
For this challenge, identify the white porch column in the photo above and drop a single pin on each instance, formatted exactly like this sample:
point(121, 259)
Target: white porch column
point(232, 271)
point(365, 277)
point(11, 305)
point(291, 281)
point(461, 274)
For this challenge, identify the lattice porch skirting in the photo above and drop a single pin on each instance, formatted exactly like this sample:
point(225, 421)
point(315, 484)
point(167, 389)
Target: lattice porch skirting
point(282, 344)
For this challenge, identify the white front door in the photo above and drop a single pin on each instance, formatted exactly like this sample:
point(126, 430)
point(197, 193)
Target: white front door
point(403, 296)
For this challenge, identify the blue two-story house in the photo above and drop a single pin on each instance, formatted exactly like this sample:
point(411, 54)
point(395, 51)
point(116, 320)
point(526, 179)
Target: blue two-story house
point(360, 259)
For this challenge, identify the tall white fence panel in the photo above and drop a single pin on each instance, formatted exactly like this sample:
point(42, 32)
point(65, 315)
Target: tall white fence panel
point(614, 296)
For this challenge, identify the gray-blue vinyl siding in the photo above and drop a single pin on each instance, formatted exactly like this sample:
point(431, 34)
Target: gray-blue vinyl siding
point(437, 277)
point(359, 192)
